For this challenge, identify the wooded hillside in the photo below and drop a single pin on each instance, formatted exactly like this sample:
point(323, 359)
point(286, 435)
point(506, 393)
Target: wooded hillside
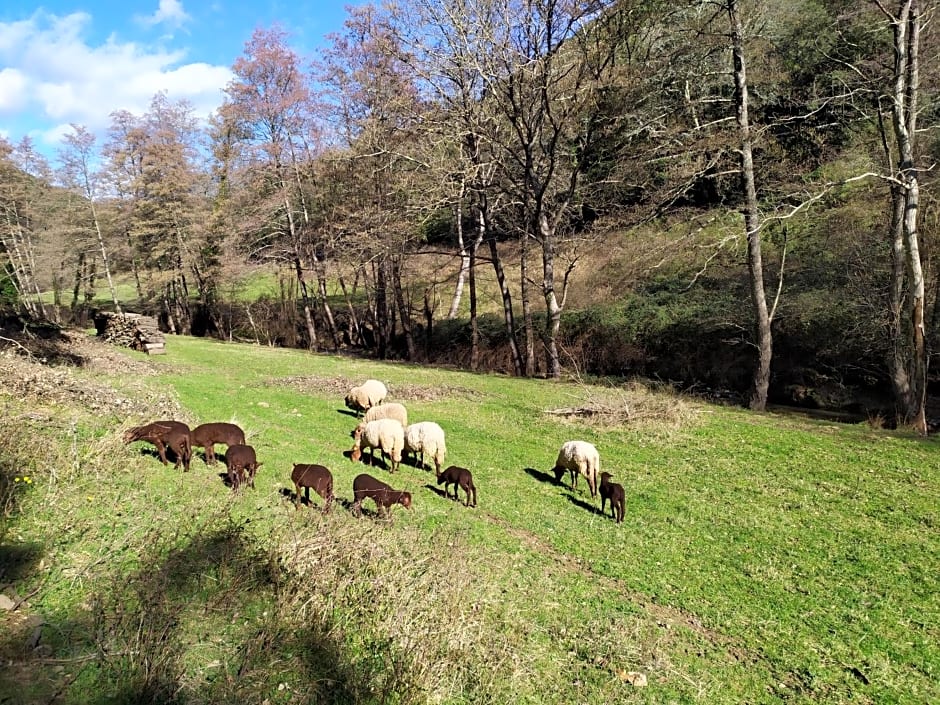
point(724, 194)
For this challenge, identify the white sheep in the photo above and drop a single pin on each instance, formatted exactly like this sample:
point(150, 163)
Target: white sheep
point(391, 410)
point(426, 437)
point(385, 434)
point(579, 458)
point(368, 394)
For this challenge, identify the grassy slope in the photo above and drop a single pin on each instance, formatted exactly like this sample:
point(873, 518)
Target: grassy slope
point(761, 558)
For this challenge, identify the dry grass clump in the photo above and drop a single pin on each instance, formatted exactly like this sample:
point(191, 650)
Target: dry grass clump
point(635, 404)
point(28, 379)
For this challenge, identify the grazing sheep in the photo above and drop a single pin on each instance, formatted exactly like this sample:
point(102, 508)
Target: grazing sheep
point(163, 434)
point(239, 460)
point(316, 476)
point(578, 457)
point(458, 477)
point(613, 492)
point(208, 434)
point(385, 434)
point(426, 437)
point(391, 410)
point(366, 486)
point(368, 394)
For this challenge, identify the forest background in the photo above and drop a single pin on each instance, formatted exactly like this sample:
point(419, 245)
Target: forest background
point(729, 196)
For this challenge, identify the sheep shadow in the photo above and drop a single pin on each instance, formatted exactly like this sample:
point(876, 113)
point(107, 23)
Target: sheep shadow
point(542, 476)
point(578, 502)
point(219, 458)
point(415, 462)
point(349, 412)
point(379, 461)
point(289, 494)
point(438, 491)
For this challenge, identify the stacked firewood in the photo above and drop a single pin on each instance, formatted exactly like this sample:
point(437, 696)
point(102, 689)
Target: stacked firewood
point(131, 330)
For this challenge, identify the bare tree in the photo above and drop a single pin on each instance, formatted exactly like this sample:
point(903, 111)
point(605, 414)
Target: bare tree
point(752, 225)
point(78, 173)
point(269, 106)
point(18, 203)
point(909, 355)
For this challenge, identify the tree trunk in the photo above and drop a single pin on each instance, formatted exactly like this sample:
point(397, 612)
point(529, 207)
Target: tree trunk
point(464, 261)
point(472, 281)
point(404, 310)
point(312, 342)
point(353, 329)
point(755, 264)
point(506, 295)
point(910, 348)
point(552, 308)
point(79, 276)
point(319, 267)
point(381, 313)
point(527, 325)
point(104, 258)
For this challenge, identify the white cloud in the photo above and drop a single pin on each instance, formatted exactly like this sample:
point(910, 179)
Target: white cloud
point(54, 76)
point(12, 90)
point(169, 12)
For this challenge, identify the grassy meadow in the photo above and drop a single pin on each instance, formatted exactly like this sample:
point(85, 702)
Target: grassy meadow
point(762, 558)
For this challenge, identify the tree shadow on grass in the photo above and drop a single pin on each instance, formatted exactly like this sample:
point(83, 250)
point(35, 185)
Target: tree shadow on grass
point(147, 624)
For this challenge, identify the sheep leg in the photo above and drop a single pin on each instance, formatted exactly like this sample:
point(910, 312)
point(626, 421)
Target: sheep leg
point(296, 495)
point(210, 453)
point(161, 450)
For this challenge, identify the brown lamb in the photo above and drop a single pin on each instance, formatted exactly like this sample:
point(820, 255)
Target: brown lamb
point(461, 477)
point(316, 476)
point(163, 434)
point(366, 486)
point(208, 434)
point(616, 495)
point(240, 460)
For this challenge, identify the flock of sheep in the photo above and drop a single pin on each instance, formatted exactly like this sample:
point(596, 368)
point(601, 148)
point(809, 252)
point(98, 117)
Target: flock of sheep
point(385, 427)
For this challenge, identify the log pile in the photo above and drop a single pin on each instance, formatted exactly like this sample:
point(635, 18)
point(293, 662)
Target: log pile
point(131, 330)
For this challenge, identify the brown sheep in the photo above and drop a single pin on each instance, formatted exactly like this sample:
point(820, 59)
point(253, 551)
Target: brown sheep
point(613, 492)
point(239, 461)
point(461, 477)
point(316, 476)
point(366, 486)
point(163, 434)
point(208, 434)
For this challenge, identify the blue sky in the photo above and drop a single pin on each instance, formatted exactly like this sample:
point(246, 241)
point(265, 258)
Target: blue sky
point(76, 61)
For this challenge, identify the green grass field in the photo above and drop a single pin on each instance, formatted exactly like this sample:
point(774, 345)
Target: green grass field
point(763, 558)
